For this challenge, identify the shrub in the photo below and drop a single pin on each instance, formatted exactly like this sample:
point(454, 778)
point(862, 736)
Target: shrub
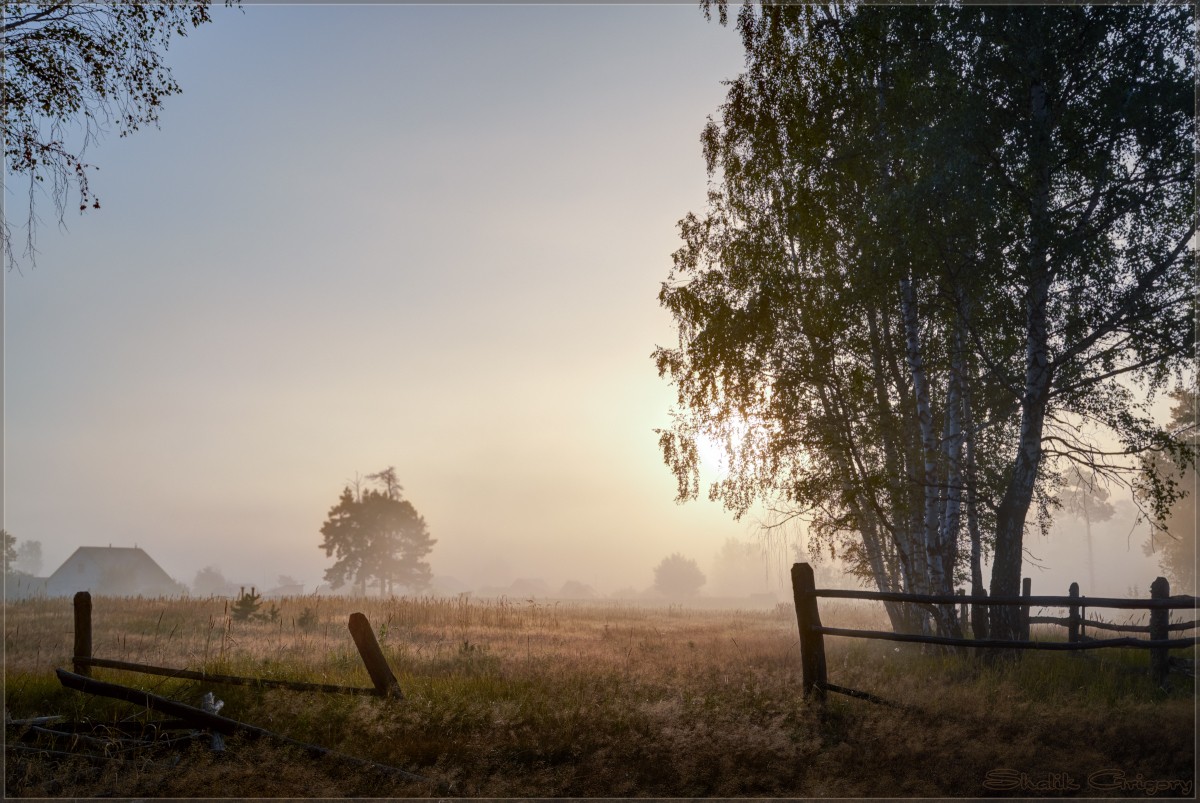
point(678, 576)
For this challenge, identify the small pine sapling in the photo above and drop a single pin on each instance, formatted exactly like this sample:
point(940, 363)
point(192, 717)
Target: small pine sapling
point(247, 605)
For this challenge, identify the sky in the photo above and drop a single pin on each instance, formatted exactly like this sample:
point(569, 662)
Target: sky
point(427, 237)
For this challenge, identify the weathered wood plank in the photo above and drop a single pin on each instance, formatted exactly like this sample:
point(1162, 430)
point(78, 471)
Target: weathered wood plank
point(1169, 644)
point(808, 619)
point(213, 722)
point(232, 680)
point(83, 629)
point(1173, 603)
point(385, 682)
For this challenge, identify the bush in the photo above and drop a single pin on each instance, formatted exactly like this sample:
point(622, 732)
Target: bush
point(678, 576)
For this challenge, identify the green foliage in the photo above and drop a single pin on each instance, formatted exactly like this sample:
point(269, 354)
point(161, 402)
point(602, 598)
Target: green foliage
point(939, 241)
point(700, 705)
point(75, 69)
point(377, 535)
point(245, 607)
point(677, 576)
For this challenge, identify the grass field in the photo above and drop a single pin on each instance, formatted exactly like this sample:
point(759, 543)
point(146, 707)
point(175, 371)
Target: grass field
point(531, 699)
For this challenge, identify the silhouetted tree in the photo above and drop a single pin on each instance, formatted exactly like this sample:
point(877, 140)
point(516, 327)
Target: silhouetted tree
point(738, 569)
point(1085, 498)
point(10, 550)
point(937, 239)
point(574, 589)
point(210, 582)
point(29, 557)
point(74, 69)
point(677, 576)
point(377, 535)
point(1174, 541)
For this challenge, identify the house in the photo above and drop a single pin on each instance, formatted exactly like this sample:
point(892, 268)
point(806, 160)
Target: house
point(111, 571)
point(285, 590)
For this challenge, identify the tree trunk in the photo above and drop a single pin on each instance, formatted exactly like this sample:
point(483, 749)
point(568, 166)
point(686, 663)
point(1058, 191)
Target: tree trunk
point(968, 422)
point(952, 447)
point(931, 520)
point(1014, 506)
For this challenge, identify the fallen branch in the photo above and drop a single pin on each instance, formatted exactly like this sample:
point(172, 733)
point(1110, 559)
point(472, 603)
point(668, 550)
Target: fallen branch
point(860, 695)
point(34, 720)
point(216, 722)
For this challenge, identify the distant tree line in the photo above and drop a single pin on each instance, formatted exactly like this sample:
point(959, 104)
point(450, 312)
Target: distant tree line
point(23, 558)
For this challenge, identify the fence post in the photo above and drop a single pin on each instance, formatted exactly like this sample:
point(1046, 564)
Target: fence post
point(979, 616)
point(385, 682)
point(1160, 662)
point(1073, 614)
point(83, 632)
point(962, 610)
point(1026, 588)
point(812, 644)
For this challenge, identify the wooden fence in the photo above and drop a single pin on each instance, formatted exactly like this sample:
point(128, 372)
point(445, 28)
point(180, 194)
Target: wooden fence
point(385, 683)
point(1160, 604)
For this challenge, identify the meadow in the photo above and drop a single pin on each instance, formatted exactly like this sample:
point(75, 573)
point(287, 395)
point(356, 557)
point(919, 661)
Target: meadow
point(521, 698)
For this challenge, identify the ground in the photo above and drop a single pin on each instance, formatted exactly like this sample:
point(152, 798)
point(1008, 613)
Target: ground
point(530, 699)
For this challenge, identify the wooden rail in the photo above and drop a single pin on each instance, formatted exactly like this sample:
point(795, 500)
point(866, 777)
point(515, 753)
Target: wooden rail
point(1161, 603)
point(229, 680)
point(385, 683)
point(215, 722)
point(1096, 624)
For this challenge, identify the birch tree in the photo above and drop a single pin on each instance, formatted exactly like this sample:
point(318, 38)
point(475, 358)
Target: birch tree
point(1097, 166)
point(938, 242)
point(71, 73)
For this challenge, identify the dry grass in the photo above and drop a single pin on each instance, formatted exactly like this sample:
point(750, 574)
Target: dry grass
point(521, 699)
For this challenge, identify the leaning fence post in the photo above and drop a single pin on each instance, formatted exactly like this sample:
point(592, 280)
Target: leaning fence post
point(1160, 662)
point(1073, 614)
point(812, 642)
point(1026, 588)
point(83, 632)
point(385, 682)
point(979, 616)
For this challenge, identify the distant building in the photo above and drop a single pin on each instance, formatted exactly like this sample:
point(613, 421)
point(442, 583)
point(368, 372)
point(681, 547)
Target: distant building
point(18, 585)
point(286, 590)
point(111, 571)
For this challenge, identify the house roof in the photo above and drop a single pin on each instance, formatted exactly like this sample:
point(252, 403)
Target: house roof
point(116, 557)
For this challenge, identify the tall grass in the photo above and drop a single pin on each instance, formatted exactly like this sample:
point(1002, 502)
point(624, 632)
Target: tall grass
point(532, 699)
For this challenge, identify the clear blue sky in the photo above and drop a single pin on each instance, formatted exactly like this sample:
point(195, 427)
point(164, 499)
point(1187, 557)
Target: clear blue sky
point(422, 236)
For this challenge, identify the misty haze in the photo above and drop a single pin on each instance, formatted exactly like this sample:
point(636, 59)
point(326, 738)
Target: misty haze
point(599, 401)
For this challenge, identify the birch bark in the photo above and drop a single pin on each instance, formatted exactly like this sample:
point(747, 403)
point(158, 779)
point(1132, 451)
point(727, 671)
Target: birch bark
point(1014, 505)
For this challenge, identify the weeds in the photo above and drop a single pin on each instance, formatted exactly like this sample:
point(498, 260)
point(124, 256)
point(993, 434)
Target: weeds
point(517, 699)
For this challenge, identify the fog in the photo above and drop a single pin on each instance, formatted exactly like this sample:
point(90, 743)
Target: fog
point(422, 237)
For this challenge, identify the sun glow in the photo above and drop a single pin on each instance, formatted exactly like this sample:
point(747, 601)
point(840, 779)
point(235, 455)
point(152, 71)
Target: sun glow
point(713, 445)
point(712, 454)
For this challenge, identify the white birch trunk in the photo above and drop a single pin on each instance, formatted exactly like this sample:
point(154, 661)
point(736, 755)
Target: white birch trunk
point(935, 566)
